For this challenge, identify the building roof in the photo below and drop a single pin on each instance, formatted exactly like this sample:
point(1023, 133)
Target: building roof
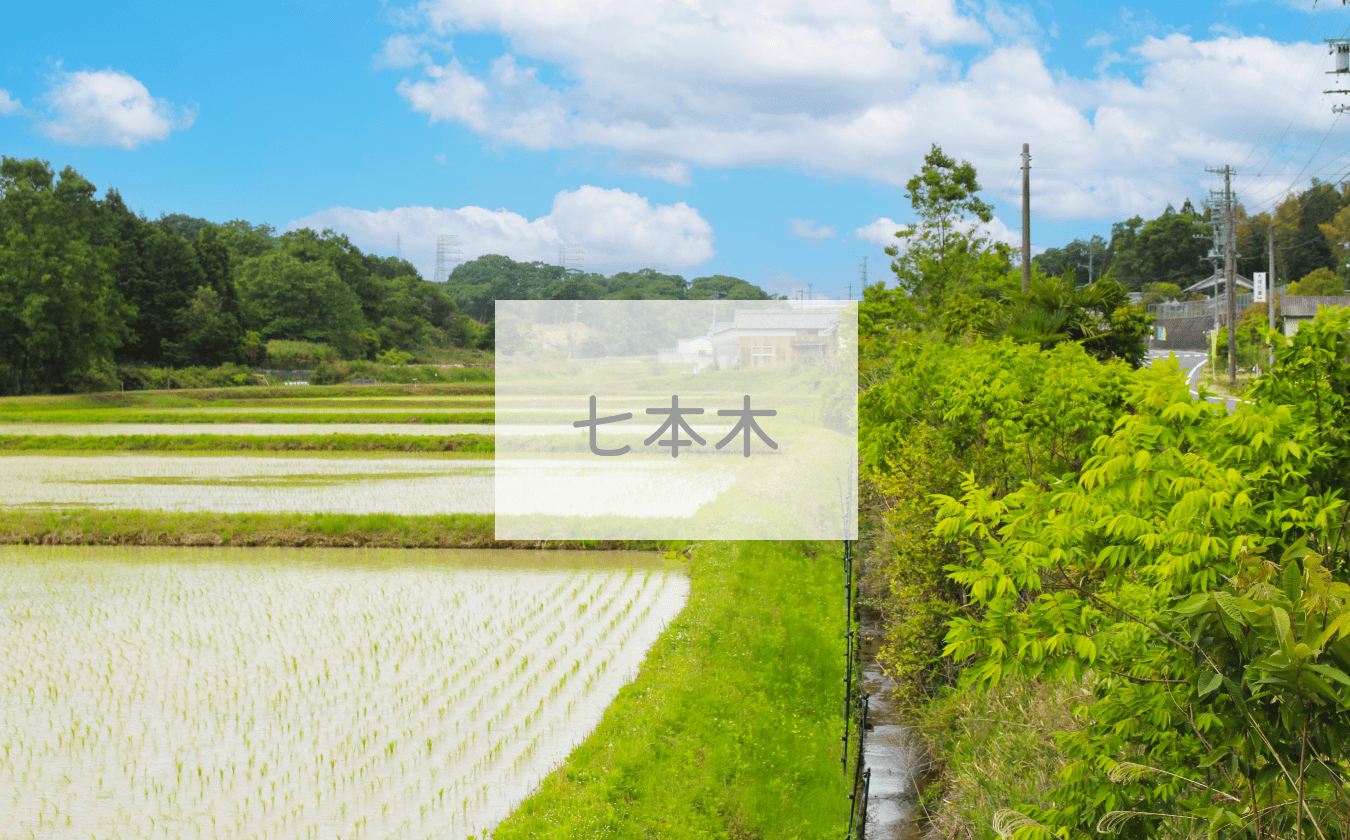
point(1305, 306)
point(781, 319)
point(1217, 279)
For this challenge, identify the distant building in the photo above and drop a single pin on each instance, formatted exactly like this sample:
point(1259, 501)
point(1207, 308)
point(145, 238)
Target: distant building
point(1300, 309)
point(1217, 280)
point(778, 338)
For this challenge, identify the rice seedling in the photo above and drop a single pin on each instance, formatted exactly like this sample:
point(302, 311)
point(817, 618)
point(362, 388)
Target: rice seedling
point(271, 700)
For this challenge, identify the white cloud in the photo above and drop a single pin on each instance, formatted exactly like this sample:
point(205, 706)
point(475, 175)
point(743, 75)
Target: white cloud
point(807, 229)
point(618, 230)
point(402, 51)
point(672, 172)
point(109, 108)
point(8, 105)
point(880, 232)
point(862, 88)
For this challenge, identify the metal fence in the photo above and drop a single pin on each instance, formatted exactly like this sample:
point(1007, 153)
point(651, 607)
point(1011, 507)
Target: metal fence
point(858, 778)
point(1192, 308)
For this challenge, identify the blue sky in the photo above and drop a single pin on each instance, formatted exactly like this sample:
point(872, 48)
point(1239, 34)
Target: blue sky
point(770, 141)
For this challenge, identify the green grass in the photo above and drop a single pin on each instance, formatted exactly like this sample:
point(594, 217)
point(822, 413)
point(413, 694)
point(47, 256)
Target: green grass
point(207, 396)
point(237, 444)
point(375, 530)
point(732, 727)
point(995, 748)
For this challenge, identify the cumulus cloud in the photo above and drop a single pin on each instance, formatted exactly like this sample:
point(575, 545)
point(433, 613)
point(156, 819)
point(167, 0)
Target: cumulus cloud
point(861, 88)
point(109, 108)
point(807, 229)
point(8, 105)
point(618, 230)
point(880, 232)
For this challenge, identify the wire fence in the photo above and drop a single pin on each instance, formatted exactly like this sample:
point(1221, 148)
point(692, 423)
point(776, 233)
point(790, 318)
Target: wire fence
point(858, 777)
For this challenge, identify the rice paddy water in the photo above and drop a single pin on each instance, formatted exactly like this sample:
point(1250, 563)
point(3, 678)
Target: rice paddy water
point(247, 484)
point(260, 693)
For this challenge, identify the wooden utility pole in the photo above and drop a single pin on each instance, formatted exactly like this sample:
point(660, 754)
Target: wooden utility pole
point(1270, 284)
point(1230, 274)
point(1026, 217)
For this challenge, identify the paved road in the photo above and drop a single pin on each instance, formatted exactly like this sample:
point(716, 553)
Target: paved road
point(1192, 364)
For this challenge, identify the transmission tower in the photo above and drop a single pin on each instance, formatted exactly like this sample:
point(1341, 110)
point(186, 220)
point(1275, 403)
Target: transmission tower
point(448, 256)
point(572, 258)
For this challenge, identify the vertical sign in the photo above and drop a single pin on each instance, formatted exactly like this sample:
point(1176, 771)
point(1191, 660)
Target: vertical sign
point(1258, 287)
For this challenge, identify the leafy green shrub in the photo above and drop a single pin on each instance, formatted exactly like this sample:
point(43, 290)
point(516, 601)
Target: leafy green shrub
point(135, 378)
point(1322, 281)
point(1195, 576)
point(298, 354)
point(330, 372)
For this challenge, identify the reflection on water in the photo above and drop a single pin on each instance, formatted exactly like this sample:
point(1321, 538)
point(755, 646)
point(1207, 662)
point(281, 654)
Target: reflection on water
point(283, 693)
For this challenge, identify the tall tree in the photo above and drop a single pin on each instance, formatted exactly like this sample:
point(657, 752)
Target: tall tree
point(938, 255)
point(60, 317)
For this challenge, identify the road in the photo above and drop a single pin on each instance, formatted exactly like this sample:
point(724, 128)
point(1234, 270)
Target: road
point(1192, 364)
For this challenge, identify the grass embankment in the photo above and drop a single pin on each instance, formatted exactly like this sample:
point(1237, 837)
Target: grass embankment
point(243, 416)
point(376, 530)
point(236, 444)
point(994, 747)
point(206, 396)
point(732, 727)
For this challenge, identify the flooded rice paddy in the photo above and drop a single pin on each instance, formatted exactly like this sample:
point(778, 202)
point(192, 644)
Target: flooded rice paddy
point(247, 693)
point(248, 484)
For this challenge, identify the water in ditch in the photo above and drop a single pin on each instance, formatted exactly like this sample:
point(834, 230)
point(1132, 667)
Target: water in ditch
point(889, 749)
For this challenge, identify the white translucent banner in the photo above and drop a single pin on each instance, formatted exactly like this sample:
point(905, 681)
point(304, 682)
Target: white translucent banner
point(676, 420)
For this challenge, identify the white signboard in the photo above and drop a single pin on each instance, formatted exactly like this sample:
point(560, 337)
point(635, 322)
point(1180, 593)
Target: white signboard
point(1258, 287)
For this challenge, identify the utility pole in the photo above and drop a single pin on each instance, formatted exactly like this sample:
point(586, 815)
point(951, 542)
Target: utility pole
point(1229, 223)
point(1230, 274)
point(1026, 217)
point(1270, 289)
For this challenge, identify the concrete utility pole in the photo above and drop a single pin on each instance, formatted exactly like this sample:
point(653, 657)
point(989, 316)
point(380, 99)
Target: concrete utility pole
point(1270, 285)
point(1229, 222)
point(1230, 275)
point(1026, 217)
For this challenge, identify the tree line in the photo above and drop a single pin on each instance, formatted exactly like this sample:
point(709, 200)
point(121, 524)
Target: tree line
point(91, 292)
point(477, 285)
point(87, 285)
point(1162, 256)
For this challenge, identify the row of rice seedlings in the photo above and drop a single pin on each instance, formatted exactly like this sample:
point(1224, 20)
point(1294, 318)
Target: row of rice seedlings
point(309, 707)
point(248, 485)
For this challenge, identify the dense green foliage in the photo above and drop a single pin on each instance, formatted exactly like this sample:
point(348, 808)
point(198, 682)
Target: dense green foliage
point(1322, 281)
point(732, 726)
point(1173, 249)
point(1169, 249)
point(60, 317)
point(1185, 565)
point(478, 284)
point(86, 284)
point(952, 278)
